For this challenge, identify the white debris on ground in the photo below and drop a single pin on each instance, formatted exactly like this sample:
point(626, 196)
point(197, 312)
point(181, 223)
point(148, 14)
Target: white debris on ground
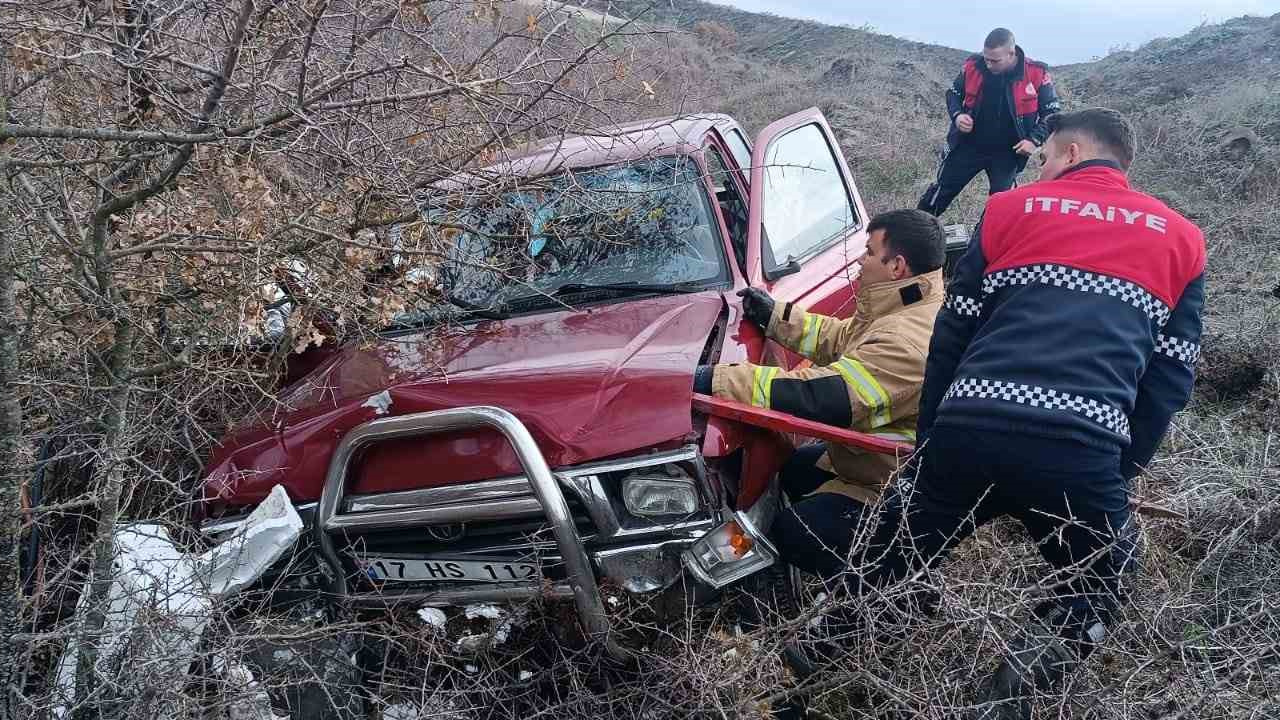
point(175, 591)
point(472, 669)
point(381, 402)
point(817, 620)
point(248, 699)
point(434, 617)
point(484, 610)
point(501, 633)
point(400, 711)
point(495, 637)
point(433, 708)
point(501, 621)
point(472, 643)
point(525, 675)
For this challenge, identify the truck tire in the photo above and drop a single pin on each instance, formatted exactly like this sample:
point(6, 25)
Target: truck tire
point(769, 596)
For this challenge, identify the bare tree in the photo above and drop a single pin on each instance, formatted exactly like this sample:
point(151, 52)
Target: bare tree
point(165, 161)
point(10, 449)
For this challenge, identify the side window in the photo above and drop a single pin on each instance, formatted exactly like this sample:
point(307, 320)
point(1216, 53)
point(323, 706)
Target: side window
point(806, 204)
point(732, 205)
point(738, 148)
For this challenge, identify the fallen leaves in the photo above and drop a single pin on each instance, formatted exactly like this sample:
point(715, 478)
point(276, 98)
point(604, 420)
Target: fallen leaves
point(310, 337)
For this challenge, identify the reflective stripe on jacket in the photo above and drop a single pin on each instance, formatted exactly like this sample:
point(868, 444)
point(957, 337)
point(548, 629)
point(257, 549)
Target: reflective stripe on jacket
point(866, 374)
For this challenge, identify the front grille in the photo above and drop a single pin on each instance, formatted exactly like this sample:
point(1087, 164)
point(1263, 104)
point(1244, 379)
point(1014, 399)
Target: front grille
point(498, 520)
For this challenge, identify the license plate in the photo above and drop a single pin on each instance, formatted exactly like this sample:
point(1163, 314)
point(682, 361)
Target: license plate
point(420, 570)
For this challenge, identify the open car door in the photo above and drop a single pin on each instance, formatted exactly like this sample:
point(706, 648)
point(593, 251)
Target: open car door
point(807, 223)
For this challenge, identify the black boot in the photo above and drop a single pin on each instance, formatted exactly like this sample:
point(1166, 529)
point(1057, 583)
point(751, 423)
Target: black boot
point(806, 657)
point(1034, 664)
point(804, 661)
point(793, 708)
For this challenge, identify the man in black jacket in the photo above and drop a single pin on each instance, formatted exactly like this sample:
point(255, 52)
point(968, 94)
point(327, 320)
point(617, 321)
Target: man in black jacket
point(998, 106)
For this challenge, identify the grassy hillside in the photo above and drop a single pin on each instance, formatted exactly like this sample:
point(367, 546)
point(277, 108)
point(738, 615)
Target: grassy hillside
point(883, 96)
point(802, 43)
point(1200, 64)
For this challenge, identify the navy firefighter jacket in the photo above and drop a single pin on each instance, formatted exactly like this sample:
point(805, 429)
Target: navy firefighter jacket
point(1075, 313)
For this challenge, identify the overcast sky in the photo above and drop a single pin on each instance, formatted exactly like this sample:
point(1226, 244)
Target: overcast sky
point(1056, 31)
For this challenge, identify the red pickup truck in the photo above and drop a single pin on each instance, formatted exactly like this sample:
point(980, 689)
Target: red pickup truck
point(536, 433)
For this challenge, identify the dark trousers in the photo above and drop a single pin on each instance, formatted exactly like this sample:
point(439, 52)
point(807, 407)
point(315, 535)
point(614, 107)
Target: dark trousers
point(815, 533)
point(1070, 497)
point(961, 165)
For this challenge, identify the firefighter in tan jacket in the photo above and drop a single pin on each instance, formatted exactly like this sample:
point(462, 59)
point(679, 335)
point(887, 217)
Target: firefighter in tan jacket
point(866, 375)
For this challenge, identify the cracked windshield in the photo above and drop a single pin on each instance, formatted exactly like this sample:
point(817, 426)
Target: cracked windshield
point(644, 223)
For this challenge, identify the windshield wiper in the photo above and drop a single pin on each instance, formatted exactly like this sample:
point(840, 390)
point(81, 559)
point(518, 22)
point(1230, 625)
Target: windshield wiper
point(440, 315)
point(626, 287)
point(487, 313)
point(553, 297)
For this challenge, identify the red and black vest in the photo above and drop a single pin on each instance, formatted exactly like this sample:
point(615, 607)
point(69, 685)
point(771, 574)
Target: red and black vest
point(1026, 90)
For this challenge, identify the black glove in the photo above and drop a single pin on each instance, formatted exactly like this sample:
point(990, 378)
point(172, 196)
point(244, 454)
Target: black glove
point(757, 306)
point(702, 379)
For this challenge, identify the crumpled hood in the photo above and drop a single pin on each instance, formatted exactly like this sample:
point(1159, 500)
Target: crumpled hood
point(589, 384)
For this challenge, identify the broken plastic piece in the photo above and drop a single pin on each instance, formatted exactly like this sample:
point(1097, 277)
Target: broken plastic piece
point(248, 698)
point(501, 622)
point(381, 402)
point(175, 593)
point(473, 643)
point(269, 531)
point(434, 617)
point(484, 610)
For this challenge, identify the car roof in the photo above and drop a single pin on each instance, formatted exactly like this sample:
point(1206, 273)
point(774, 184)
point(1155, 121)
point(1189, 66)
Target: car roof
point(672, 135)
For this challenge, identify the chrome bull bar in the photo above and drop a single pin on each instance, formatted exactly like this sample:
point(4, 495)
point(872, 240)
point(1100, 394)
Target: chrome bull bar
point(581, 579)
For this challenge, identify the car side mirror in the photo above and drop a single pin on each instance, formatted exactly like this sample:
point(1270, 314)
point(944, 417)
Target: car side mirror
point(790, 268)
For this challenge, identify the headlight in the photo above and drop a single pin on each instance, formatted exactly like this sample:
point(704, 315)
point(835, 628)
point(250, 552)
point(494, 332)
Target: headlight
point(656, 496)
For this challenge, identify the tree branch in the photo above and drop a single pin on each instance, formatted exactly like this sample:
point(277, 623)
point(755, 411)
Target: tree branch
point(247, 131)
point(170, 173)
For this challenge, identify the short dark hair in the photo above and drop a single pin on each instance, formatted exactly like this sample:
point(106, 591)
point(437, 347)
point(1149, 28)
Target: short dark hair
point(998, 38)
point(1105, 127)
point(915, 235)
